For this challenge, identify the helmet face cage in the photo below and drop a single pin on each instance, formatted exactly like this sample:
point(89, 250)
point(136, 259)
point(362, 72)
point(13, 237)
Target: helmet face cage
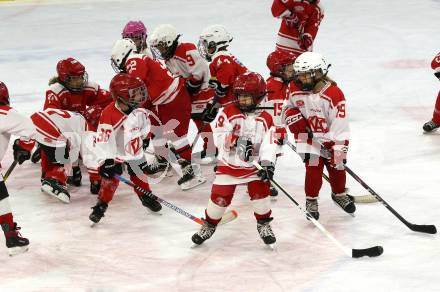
point(136, 96)
point(76, 82)
point(311, 66)
point(204, 46)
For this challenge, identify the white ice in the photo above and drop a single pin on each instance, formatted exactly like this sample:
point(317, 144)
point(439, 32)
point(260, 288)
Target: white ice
point(380, 53)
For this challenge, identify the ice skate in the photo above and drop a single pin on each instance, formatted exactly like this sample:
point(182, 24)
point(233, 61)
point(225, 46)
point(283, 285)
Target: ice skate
point(52, 187)
point(345, 202)
point(430, 126)
point(150, 203)
point(158, 164)
point(312, 208)
point(205, 232)
point(266, 233)
point(191, 175)
point(98, 212)
point(15, 243)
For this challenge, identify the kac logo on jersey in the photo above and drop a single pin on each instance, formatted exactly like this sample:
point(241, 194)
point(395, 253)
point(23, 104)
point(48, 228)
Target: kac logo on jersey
point(299, 103)
point(133, 146)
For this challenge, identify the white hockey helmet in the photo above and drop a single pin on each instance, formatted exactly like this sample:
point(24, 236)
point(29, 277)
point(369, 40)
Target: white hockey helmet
point(212, 39)
point(120, 52)
point(310, 62)
point(164, 41)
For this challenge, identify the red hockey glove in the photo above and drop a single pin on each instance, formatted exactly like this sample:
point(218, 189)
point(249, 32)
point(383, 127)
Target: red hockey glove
point(295, 121)
point(306, 42)
point(92, 115)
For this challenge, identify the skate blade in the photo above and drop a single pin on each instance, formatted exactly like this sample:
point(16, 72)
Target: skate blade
point(93, 224)
point(192, 183)
point(274, 199)
point(272, 246)
point(351, 214)
point(62, 197)
point(17, 250)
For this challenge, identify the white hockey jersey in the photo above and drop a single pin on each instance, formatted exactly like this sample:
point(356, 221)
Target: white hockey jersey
point(120, 136)
point(61, 128)
point(258, 128)
point(13, 123)
point(324, 111)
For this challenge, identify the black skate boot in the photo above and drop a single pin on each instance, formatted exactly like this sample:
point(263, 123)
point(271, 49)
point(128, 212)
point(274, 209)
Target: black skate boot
point(265, 231)
point(14, 241)
point(205, 232)
point(150, 203)
point(430, 126)
point(75, 179)
point(52, 187)
point(98, 211)
point(159, 164)
point(95, 186)
point(191, 175)
point(312, 208)
point(344, 201)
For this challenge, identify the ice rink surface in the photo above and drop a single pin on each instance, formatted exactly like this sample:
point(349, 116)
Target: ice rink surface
point(380, 53)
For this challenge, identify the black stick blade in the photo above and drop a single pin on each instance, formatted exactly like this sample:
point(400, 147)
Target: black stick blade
point(374, 251)
point(424, 228)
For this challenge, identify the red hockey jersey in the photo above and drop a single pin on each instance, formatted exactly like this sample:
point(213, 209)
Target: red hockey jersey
point(59, 97)
point(162, 86)
point(224, 69)
point(299, 18)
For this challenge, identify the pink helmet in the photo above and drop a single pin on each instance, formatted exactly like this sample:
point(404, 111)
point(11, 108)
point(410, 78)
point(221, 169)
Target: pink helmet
point(134, 29)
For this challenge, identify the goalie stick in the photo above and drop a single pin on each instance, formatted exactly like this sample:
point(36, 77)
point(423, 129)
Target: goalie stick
point(227, 217)
point(431, 229)
point(351, 252)
point(357, 199)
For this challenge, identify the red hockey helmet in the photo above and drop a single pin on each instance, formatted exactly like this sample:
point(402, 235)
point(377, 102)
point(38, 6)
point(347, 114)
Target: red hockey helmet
point(129, 90)
point(4, 94)
point(277, 62)
point(249, 89)
point(72, 74)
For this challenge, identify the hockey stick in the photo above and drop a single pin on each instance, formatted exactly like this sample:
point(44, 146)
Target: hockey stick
point(227, 217)
point(356, 199)
point(354, 253)
point(431, 229)
point(10, 169)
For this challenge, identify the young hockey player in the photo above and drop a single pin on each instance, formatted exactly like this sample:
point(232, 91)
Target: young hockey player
point(137, 32)
point(12, 123)
point(243, 135)
point(434, 123)
point(224, 67)
point(316, 107)
point(280, 64)
point(183, 59)
point(300, 21)
point(168, 99)
point(121, 130)
point(72, 91)
point(62, 135)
